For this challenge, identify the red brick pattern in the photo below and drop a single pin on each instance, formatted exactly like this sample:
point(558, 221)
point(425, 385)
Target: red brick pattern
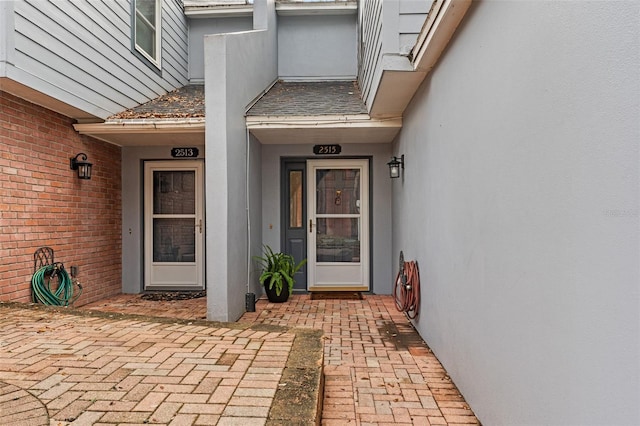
point(62, 369)
point(378, 371)
point(43, 203)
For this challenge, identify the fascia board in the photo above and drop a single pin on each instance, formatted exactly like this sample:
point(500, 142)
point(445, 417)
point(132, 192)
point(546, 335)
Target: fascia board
point(218, 12)
point(142, 126)
point(325, 121)
point(328, 8)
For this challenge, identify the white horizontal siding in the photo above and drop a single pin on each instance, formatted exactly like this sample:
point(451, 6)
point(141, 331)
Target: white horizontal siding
point(80, 52)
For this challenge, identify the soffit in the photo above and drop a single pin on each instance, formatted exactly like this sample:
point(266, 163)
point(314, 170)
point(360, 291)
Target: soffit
point(150, 132)
point(20, 90)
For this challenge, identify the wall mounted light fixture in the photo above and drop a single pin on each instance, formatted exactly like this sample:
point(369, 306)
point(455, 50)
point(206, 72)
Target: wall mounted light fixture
point(395, 165)
point(82, 166)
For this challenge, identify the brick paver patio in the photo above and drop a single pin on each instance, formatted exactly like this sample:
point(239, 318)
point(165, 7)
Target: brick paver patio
point(84, 369)
point(377, 369)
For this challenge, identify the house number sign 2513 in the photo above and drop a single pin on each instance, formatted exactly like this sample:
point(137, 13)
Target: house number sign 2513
point(327, 149)
point(184, 152)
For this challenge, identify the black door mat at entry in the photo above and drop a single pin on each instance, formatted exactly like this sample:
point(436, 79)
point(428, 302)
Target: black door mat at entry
point(172, 295)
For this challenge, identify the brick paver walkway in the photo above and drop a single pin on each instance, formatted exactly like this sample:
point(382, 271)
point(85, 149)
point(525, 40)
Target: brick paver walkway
point(59, 369)
point(377, 369)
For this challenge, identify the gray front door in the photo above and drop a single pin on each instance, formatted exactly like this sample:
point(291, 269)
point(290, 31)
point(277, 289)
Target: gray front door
point(294, 218)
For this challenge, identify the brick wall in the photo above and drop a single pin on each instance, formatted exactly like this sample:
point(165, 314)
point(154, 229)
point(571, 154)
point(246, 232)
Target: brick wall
point(43, 203)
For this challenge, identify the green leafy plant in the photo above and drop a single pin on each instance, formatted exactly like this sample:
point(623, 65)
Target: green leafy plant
point(277, 268)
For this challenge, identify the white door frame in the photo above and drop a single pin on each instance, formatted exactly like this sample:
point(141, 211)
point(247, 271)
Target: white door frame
point(338, 276)
point(181, 275)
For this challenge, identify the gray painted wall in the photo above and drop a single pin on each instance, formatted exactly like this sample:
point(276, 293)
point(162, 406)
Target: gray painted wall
point(382, 260)
point(198, 28)
point(238, 67)
point(317, 47)
point(80, 53)
point(520, 203)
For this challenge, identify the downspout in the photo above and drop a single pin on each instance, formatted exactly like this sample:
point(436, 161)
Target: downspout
point(250, 298)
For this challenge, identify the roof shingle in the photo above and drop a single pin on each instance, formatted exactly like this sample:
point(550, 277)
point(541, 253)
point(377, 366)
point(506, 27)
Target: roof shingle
point(310, 98)
point(184, 102)
point(283, 99)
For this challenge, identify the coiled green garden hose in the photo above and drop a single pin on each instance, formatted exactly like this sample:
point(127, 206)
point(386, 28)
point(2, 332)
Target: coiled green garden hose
point(42, 281)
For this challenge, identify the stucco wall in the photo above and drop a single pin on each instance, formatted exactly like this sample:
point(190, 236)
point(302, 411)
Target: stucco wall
point(238, 67)
point(312, 47)
point(520, 203)
point(198, 28)
point(45, 204)
point(383, 267)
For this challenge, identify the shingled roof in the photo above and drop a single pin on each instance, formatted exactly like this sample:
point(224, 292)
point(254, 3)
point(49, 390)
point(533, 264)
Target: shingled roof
point(310, 99)
point(319, 111)
point(184, 102)
point(315, 98)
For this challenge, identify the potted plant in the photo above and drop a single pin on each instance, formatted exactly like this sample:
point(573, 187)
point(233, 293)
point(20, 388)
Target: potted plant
point(278, 270)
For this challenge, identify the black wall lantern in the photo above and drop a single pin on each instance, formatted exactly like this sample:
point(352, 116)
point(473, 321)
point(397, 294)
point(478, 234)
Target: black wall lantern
point(82, 166)
point(395, 165)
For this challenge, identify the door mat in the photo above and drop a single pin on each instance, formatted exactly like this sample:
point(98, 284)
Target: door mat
point(173, 295)
point(336, 295)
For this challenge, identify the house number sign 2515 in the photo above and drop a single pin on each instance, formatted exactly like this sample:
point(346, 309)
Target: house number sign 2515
point(184, 152)
point(327, 149)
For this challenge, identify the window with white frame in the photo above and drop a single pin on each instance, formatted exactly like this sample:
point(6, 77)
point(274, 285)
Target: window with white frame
point(147, 28)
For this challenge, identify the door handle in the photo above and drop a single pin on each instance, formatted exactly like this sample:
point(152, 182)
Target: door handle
point(200, 225)
point(311, 226)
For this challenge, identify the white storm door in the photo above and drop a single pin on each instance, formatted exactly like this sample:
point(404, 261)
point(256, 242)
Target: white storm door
point(173, 225)
point(338, 243)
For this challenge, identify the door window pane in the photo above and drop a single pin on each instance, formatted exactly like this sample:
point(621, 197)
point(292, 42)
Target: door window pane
point(337, 191)
point(338, 240)
point(295, 199)
point(174, 240)
point(174, 192)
